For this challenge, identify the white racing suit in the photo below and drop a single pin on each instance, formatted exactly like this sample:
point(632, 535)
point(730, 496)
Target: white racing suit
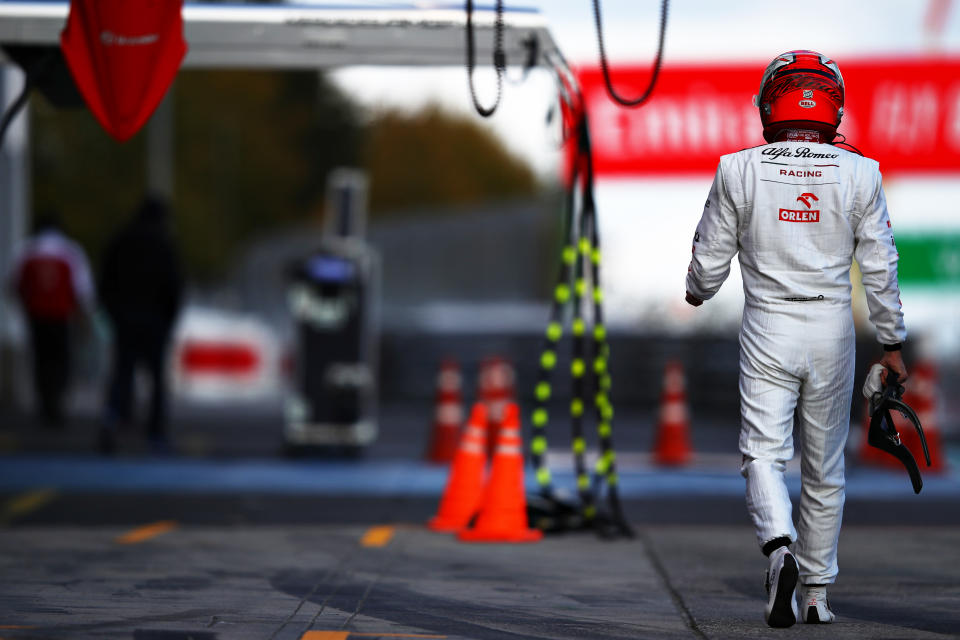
point(798, 213)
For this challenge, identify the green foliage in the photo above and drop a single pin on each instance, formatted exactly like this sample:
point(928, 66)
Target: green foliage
point(252, 150)
point(433, 159)
point(80, 171)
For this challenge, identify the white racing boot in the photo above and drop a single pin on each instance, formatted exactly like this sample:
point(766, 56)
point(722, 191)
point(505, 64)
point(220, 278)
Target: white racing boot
point(814, 606)
point(781, 583)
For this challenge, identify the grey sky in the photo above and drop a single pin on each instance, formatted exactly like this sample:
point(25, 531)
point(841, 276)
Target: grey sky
point(747, 28)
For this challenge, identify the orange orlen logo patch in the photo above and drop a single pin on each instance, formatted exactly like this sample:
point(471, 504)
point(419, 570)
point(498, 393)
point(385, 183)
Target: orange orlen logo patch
point(794, 215)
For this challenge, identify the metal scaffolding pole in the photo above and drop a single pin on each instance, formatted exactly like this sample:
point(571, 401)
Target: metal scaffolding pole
point(14, 213)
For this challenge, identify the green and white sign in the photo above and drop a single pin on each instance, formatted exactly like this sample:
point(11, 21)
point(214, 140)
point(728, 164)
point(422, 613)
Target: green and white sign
point(930, 260)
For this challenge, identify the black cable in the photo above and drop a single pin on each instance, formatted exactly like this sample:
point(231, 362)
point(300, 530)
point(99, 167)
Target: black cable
point(499, 58)
point(14, 109)
point(846, 144)
point(34, 71)
point(532, 46)
point(618, 525)
point(631, 102)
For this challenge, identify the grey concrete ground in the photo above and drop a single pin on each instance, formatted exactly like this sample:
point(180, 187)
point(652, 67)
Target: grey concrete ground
point(294, 581)
point(128, 559)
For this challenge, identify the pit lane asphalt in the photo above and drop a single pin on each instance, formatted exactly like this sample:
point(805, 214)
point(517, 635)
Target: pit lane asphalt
point(170, 580)
point(169, 548)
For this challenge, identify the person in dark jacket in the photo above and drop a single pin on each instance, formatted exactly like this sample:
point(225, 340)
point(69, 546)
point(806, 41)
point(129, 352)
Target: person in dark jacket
point(140, 287)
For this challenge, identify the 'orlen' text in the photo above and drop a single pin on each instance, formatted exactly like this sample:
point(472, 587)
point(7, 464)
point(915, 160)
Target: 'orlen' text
point(794, 215)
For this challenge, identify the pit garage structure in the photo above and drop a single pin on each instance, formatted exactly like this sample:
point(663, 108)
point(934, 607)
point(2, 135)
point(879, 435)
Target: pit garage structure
point(253, 36)
point(288, 36)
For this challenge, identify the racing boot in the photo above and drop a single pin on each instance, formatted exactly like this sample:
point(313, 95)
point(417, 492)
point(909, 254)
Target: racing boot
point(814, 606)
point(781, 584)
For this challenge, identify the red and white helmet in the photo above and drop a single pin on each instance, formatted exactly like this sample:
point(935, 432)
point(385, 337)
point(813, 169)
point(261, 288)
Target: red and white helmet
point(801, 90)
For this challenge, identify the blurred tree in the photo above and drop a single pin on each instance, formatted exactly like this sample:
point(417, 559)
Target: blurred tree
point(252, 151)
point(433, 159)
point(82, 172)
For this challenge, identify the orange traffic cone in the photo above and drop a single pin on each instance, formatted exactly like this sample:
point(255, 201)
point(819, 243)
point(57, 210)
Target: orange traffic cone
point(461, 497)
point(672, 446)
point(448, 414)
point(496, 387)
point(503, 512)
point(921, 395)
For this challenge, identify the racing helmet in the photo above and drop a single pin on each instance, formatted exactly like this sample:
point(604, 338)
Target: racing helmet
point(800, 90)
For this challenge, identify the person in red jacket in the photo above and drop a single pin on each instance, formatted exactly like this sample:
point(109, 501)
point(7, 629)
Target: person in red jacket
point(51, 279)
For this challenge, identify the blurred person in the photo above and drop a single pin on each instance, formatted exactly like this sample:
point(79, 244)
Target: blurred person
point(798, 210)
point(51, 278)
point(140, 286)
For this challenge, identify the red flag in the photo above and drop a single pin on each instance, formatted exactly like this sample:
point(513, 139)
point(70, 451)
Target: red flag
point(123, 55)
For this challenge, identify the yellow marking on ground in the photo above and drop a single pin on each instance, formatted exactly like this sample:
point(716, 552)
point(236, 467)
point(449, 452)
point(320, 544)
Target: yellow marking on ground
point(24, 503)
point(146, 532)
point(377, 536)
point(17, 626)
point(9, 442)
point(194, 445)
point(325, 635)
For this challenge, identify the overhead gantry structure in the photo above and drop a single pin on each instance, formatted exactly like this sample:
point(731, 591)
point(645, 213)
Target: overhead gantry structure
point(314, 35)
point(285, 36)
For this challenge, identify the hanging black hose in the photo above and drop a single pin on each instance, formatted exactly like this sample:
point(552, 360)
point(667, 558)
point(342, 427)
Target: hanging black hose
point(616, 523)
point(499, 58)
point(631, 102)
point(35, 68)
point(578, 281)
point(14, 109)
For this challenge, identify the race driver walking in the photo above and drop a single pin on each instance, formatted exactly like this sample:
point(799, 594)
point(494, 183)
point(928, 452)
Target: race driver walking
point(798, 210)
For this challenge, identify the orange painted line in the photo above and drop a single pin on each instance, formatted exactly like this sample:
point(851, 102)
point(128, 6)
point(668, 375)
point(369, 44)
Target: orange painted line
point(146, 532)
point(325, 635)
point(18, 626)
point(394, 635)
point(377, 536)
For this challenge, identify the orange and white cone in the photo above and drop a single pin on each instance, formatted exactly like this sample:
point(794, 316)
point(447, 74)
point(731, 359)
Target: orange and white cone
point(448, 414)
point(464, 490)
point(503, 512)
point(496, 387)
point(672, 446)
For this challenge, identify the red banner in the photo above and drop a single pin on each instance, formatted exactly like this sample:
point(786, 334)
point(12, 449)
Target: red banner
point(904, 113)
point(123, 55)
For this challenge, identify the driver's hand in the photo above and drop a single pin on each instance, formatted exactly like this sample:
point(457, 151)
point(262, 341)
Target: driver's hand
point(893, 360)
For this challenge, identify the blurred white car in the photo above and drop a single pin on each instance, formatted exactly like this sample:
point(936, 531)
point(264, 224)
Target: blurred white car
point(219, 356)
